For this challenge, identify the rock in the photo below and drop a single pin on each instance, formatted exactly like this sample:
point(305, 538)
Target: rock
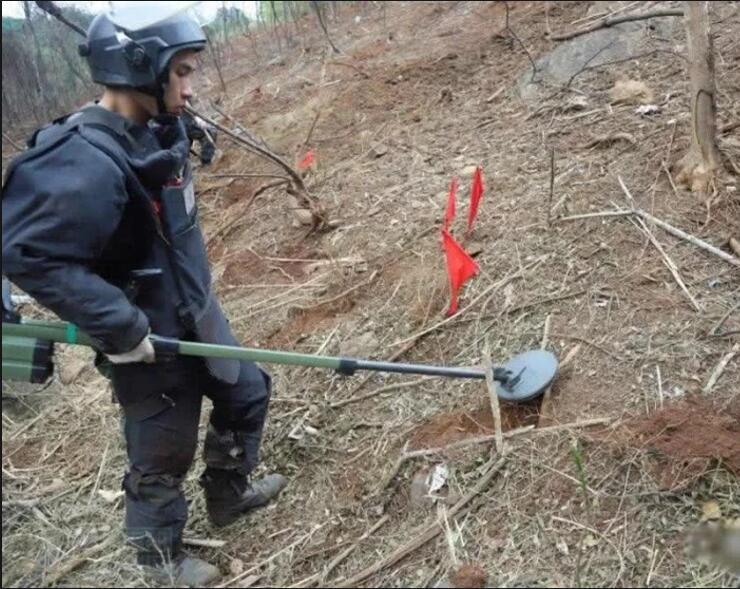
point(378, 150)
point(363, 344)
point(622, 41)
point(647, 109)
point(475, 248)
point(303, 216)
point(631, 92)
point(577, 103)
point(110, 496)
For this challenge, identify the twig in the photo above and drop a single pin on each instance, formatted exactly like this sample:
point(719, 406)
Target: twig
point(530, 304)
point(341, 295)
point(100, 474)
point(670, 178)
point(720, 368)
point(13, 143)
point(320, 578)
point(587, 342)
point(485, 439)
point(610, 22)
point(546, 332)
point(316, 211)
point(493, 397)
point(734, 245)
point(552, 187)
point(275, 555)
point(595, 215)
point(679, 233)
point(310, 131)
point(245, 176)
point(204, 542)
point(606, 539)
point(721, 322)
point(611, 138)
point(495, 95)
point(381, 390)
point(670, 264)
point(587, 67)
point(241, 128)
point(349, 65)
point(660, 386)
point(237, 218)
point(513, 34)
point(429, 532)
point(662, 224)
point(68, 566)
point(27, 503)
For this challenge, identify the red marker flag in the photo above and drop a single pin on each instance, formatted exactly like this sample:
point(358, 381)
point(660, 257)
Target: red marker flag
point(307, 161)
point(450, 211)
point(476, 192)
point(460, 268)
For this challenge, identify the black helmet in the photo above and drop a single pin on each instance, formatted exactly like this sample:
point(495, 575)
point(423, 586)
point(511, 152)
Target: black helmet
point(138, 57)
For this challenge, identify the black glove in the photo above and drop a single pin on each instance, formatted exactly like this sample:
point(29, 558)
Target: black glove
point(160, 166)
point(205, 134)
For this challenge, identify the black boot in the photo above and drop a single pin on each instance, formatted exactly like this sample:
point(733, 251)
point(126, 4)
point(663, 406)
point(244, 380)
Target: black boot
point(230, 494)
point(183, 571)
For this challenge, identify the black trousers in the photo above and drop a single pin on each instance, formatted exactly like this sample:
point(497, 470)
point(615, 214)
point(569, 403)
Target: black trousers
point(161, 404)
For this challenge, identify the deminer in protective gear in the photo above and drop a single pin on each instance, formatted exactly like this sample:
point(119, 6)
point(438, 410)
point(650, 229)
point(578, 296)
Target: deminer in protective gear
point(100, 225)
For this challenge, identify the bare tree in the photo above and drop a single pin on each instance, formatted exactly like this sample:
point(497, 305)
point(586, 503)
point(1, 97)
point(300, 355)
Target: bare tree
point(697, 167)
point(38, 61)
point(317, 9)
point(215, 55)
point(275, 27)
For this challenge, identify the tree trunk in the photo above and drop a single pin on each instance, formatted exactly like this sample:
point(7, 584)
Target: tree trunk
point(697, 167)
point(317, 8)
point(38, 61)
point(275, 28)
point(216, 60)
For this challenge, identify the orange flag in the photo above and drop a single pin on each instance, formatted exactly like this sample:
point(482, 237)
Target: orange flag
point(476, 192)
point(307, 161)
point(460, 268)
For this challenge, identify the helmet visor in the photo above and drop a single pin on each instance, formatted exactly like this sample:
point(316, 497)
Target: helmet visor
point(135, 16)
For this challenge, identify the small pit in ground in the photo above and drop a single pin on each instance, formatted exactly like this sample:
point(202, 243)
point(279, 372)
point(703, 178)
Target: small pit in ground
point(448, 428)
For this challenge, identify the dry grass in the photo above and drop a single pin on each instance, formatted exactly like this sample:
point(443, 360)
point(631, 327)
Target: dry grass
point(555, 516)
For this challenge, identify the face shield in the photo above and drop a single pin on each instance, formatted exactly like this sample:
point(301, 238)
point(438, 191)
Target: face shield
point(136, 16)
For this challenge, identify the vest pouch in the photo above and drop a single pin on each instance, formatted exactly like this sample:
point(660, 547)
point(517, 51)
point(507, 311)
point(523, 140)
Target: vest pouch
point(188, 256)
point(199, 310)
point(213, 328)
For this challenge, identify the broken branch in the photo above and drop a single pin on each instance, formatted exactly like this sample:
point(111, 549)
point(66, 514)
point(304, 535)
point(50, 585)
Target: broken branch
point(611, 21)
point(720, 368)
point(317, 213)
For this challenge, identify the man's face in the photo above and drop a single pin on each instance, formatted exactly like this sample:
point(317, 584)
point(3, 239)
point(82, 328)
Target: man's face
point(179, 89)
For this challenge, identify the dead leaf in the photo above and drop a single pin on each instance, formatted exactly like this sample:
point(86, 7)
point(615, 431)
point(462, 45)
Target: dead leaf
point(110, 496)
point(236, 566)
point(710, 510)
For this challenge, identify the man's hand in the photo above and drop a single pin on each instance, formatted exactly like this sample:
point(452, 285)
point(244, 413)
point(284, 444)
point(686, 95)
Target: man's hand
point(143, 352)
